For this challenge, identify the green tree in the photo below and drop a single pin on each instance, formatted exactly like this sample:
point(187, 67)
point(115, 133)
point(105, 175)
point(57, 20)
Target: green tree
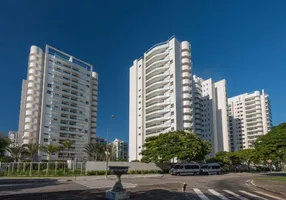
point(95, 150)
point(50, 149)
point(15, 152)
point(272, 146)
point(247, 156)
point(180, 145)
point(4, 143)
point(223, 157)
point(31, 150)
point(68, 145)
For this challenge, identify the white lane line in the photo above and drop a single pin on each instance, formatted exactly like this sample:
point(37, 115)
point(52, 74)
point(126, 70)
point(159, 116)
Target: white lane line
point(218, 194)
point(269, 195)
point(253, 183)
point(252, 195)
point(236, 195)
point(200, 194)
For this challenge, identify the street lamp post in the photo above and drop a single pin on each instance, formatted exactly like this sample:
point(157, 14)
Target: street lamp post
point(108, 126)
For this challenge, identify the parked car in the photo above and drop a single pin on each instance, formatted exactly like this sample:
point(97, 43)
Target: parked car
point(211, 168)
point(185, 169)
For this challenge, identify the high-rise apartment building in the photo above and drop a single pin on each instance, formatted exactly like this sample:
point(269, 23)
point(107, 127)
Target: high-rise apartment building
point(210, 112)
point(121, 149)
point(249, 118)
point(160, 93)
point(58, 102)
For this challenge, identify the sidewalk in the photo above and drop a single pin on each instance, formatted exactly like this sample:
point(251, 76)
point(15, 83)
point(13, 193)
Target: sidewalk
point(17, 180)
point(274, 186)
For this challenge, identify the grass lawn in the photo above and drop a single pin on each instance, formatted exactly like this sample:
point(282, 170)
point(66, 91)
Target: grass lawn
point(275, 178)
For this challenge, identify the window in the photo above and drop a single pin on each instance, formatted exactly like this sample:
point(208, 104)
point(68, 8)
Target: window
point(139, 77)
point(139, 102)
point(139, 133)
point(172, 113)
point(171, 61)
point(45, 139)
point(139, 96)
point(172, 83)
point(171, 76)
point(48, 106)
point(139, 127)
point(49, 85)
point(172, 120)
point(139, 108)
point(139, 65)
point(139, 90)
point(49, 92)
point(46, 127)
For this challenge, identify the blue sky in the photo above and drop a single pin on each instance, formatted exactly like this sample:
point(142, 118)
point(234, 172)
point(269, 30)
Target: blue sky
point(241, 41)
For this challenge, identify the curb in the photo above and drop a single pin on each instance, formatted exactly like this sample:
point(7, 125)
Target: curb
point(263, 188)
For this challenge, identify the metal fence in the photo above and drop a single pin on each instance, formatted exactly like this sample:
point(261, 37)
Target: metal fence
point(70, 168)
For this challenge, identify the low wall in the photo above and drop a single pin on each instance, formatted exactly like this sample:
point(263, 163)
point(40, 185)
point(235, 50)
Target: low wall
point(98, 165)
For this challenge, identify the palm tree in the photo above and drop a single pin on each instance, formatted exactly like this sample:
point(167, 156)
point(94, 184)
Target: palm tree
point(15, 152)
point(92, 149)
point(31, 150)
point(49, 149)
point(68, 145)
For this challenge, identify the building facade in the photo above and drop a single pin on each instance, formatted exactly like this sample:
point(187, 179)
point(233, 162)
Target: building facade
point(249, 117)
point(58, 102)
point(210, 112)
point(160, 93)
point(120, 149)
point(13, 138)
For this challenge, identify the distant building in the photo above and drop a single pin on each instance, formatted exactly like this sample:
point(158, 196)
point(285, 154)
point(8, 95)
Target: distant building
point(96, 139)
point(121, 149)
point(249, 117)
point(13, 137)
point(210, 112)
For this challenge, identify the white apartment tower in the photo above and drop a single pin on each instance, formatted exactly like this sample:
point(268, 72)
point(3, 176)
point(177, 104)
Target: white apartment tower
point(210, 112)
point(249, 118)
point(160, 93)
point(58, 102)
point(121, 149)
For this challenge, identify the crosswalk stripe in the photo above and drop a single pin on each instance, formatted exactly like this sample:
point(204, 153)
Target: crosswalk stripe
point(218, 194)
point(269, 195)
point(252, 195)
point(236, 195)
point(200, 194)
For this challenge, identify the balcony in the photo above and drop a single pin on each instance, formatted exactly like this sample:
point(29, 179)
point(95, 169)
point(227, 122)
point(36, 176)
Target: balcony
point(155, 120)
point(157, 113)
point(157, 64)
point(157, 78)
point(159, 91)
point(156, 106)
point(158, 48)
point(157, 126)
point(157, 71)
point(156, 57)
point(187, 110)
point(187, 96)
point(157, 98)
point(157, 85)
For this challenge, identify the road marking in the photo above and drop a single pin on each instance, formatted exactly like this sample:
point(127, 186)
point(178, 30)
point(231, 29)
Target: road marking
point(218, 194)
point(252, 195)
point(236, 195)
point(269, 195)
point(253, 183)
point(200, 194)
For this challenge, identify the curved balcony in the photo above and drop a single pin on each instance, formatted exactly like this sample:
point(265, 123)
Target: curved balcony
point(156, 49)
point(187, 104)
point(186, 74)
point(157, 64)
point(186, 88)
point(187, 110)
point(157, 71)
point(186, 82)
point(187, 118)
point(157, 78)
point(187, 96)
point(187, 125)
point(157, 85)
point(185, 54)
point(156, 106)
point(156, 57)
point(157, 113)
point(157, 126)
point(157, 92)
point(155, 120)
point(157, 98)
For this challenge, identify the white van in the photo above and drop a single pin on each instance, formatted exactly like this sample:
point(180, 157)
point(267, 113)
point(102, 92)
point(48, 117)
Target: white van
point(211, 168)
point(185, 169)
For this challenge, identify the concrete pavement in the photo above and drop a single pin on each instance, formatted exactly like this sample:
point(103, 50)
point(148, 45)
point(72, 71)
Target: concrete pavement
point(225, 187)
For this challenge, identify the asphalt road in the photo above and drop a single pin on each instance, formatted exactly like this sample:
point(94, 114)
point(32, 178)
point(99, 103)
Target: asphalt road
point(224, 187)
